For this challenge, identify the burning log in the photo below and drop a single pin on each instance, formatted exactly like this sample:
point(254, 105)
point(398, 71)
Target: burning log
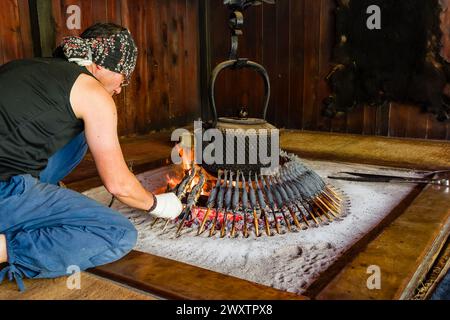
point(210, 203)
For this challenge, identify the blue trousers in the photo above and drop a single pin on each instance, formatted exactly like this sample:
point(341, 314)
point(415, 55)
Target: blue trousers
point(49, 229)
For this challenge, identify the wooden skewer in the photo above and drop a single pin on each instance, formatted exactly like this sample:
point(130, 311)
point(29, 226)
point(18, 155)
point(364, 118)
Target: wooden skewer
point(223, 231)
point(205, 218)
point(267, 225)
point(312, 216)
point(330, 204)
point(288, 223)
point(319, 215)
point(324, 207)
point(233, 228)
point(245, 229)
point(295, 219)
point(333, 212)
point(303, 217)
point(212, 231)
point(328, 188)
point(165, 226)
point(332, 200)
point(255, 222)
point(154, 222)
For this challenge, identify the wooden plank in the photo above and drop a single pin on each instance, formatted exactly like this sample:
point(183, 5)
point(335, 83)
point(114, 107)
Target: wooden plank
point(355, 120)
point(269, 58)
point(382, 120)
point(283, 62)
point(398, 119)
point(312, 35)
point(435, 129)
point(10, 31)
point(370, 120)
point(296, 58)
point(326, 42)
point(189, 69)
point(417, 123)
point(25, 28)
point(403, 153)
point(174, 280)
point(404, 252)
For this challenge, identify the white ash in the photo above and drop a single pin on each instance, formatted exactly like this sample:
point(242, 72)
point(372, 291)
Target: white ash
point(290, 262)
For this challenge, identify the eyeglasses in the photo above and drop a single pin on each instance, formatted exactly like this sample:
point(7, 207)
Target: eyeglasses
point(125, 82)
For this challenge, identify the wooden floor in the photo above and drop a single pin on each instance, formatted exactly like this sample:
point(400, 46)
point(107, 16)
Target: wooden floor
point(153, 151)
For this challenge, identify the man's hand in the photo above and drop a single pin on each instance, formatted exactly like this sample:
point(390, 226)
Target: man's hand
point(168, 206)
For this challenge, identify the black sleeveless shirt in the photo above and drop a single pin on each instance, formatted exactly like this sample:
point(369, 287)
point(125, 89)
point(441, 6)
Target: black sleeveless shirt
point(36, 117)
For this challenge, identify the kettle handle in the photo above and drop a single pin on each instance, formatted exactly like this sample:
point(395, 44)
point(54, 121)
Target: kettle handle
point(238, 64)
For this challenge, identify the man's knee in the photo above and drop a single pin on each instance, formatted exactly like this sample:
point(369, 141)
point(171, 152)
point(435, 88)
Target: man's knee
point(126, 243)
point(129, 239)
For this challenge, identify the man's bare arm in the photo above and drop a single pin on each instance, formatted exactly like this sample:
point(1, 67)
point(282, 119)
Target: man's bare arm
point(93, 104)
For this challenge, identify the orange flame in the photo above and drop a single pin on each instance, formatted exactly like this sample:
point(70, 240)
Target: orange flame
point(187, 157)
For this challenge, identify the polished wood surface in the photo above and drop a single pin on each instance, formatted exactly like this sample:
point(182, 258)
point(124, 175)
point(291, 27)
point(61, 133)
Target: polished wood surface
point(175, 280)
point(403, 252)
point(294, 40)
point(403, 153)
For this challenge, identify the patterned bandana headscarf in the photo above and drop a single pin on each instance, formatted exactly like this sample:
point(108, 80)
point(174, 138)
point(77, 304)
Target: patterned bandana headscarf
point(117, 53)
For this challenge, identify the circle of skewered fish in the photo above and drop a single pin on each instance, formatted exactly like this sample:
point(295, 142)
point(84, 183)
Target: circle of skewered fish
point(292, 199)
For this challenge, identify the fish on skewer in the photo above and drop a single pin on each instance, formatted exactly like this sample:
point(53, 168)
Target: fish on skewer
point(219, 204)
point(272, 205)
point(191, 202)
point(291, 199)
point(228, 199)
point(245, 205)
point(270, 197)
point(254, 205)
point(299, 202)
point(262, 207)
point(235, 204)
point(210, 203)
point(183, 188)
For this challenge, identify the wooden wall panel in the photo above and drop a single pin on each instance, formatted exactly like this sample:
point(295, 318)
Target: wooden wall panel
point(165, 89)
point(15, 32)
point(294, 40)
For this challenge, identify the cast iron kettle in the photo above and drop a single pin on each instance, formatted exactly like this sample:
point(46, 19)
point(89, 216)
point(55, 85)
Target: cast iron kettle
point(241, 151)
point(249, 134)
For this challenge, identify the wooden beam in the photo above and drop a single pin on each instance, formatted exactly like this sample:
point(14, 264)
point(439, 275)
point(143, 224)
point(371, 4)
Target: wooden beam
point(404, 252)
point(175, 280)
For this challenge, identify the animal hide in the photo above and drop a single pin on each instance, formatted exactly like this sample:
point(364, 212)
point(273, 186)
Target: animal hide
point(404, 60)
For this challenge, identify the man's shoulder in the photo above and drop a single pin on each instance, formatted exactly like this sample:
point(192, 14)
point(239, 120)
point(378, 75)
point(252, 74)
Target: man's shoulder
point(88, 95)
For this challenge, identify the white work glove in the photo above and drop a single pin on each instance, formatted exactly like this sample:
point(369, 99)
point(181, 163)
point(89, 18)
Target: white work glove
point(168, 206)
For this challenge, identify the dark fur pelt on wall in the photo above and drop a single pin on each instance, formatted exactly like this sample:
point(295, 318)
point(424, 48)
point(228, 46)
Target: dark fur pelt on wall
point(399, 62)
